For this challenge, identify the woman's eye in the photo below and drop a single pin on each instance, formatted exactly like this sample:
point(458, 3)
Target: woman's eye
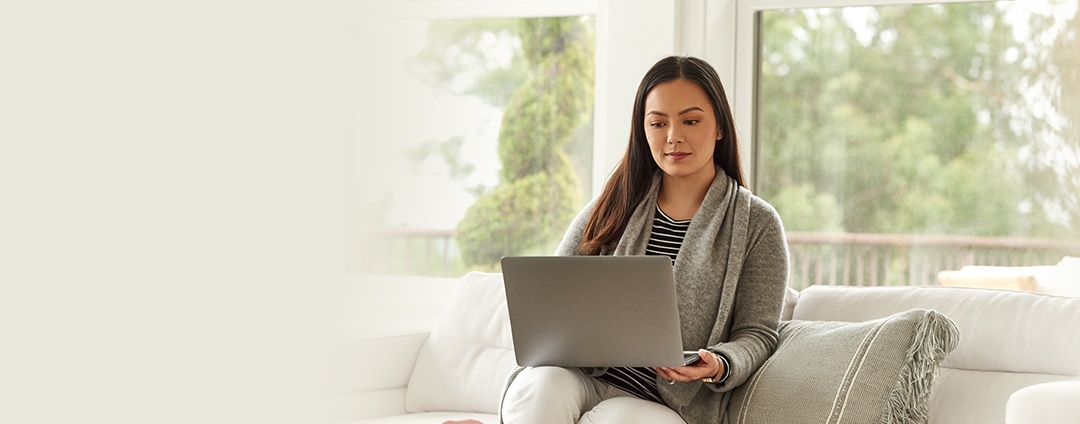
point(657, 124)
point(690, 121)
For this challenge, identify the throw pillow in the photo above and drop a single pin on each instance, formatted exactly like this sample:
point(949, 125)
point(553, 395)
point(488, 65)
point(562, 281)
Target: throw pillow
point(878, 371)
point(464, 363)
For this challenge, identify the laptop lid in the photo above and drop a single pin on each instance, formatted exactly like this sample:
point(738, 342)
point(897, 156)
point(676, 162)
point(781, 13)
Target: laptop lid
point(593, 311)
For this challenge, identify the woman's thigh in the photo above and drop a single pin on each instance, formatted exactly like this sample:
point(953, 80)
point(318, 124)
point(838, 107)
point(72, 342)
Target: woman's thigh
point(627, 409)
point(548, 395)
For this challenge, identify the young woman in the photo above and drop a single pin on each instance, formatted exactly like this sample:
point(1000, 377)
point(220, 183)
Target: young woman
point(678, 191)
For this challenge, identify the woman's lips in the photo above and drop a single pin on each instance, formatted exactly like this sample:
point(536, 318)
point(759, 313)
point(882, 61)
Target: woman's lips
point(677, 155)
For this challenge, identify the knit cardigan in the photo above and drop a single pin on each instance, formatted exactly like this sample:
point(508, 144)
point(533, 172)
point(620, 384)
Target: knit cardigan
point(730, 276)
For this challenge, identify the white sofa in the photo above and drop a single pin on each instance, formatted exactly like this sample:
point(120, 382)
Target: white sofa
point(1017, 360)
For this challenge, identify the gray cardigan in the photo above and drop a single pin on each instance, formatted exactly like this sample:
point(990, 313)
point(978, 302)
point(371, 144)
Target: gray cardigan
point(730, 276)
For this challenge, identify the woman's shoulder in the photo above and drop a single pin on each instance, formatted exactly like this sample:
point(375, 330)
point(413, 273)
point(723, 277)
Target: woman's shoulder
point(756, 202)
point(759, 208)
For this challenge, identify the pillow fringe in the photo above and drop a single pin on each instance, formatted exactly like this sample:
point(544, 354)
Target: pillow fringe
point(935, 337)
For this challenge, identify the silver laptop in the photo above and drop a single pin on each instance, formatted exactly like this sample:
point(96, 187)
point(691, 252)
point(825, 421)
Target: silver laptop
point(593, 311)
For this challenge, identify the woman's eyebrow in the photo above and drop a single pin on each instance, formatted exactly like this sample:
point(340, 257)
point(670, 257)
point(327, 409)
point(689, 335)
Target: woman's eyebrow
point(683, 112)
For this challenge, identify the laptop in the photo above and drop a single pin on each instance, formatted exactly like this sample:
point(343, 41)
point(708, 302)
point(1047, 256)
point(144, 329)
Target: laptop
point(593, 311)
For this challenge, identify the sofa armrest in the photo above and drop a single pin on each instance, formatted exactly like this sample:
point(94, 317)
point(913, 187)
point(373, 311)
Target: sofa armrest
point(1046, 403)
point(375, 363)
point(360, 374)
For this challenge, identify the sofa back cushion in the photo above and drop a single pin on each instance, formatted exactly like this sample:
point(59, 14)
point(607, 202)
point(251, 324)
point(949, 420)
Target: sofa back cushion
point(464, 363)
point(999, 330)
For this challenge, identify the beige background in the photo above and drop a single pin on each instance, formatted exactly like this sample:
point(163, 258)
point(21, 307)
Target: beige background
point(173, 199)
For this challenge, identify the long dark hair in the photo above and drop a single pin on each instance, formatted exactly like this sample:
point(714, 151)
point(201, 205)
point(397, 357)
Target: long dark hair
point(633, 175)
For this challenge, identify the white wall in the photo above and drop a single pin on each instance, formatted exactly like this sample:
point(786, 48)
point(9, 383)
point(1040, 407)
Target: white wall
point(172, 199)
point(631, 36)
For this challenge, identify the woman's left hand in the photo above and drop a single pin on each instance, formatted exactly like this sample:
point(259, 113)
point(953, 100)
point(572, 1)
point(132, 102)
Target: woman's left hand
point(708, 367)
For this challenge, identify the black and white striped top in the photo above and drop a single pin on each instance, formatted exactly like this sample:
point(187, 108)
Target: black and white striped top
point(667, 235)
point(666, 238)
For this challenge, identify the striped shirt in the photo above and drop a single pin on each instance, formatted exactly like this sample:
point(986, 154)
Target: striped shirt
point(667, 235)
point(666, 238)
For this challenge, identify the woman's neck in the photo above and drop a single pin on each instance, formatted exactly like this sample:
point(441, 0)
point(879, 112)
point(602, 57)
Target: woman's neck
point(680, 197)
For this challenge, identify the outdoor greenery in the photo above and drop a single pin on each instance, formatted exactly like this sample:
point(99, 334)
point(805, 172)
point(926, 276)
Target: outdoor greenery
point(549, 79)
point(934, 120)
point(920, 120)
point(957, 119)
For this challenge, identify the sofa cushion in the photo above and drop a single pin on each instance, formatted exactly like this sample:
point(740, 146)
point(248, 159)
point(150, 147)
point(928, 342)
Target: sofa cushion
point(825, 371)
point(977, 397)
point(464, 363)
point(790, 299)
point(1049, 403)
point(1001, 330)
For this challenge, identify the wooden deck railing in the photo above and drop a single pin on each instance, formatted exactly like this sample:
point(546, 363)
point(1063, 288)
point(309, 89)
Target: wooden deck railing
point(897, 259)
point(816, 258)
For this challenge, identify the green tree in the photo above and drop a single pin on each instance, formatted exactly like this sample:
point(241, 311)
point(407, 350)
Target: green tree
point(539, 192)
point(911, 123)
point(546, 92)
point(1052, 168)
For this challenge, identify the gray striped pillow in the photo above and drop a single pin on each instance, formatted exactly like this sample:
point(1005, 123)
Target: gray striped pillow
point(827, 372)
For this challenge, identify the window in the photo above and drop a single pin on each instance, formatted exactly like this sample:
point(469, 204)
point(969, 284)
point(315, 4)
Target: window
point(900, 140)
point(484, 146)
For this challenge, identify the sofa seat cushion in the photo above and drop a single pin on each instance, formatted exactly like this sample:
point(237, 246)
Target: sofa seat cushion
point(828, 371)
point(465, 362)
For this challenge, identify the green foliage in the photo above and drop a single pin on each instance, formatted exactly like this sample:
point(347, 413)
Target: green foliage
point(539, 190)
point(916, 124)
point(806, 209)
point(514, 218)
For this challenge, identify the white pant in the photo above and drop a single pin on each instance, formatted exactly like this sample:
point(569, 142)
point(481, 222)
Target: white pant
point(554, 395)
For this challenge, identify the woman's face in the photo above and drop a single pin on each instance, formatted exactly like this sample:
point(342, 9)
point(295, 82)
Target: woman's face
point(681, 127)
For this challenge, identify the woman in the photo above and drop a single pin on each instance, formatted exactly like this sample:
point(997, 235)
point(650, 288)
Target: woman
point(678, 191)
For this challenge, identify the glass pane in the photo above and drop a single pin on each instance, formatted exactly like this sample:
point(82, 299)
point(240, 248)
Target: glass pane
point(486, 149)
point(899, 141)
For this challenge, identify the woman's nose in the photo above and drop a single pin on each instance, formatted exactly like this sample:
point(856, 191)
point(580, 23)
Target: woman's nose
point(674, 138)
